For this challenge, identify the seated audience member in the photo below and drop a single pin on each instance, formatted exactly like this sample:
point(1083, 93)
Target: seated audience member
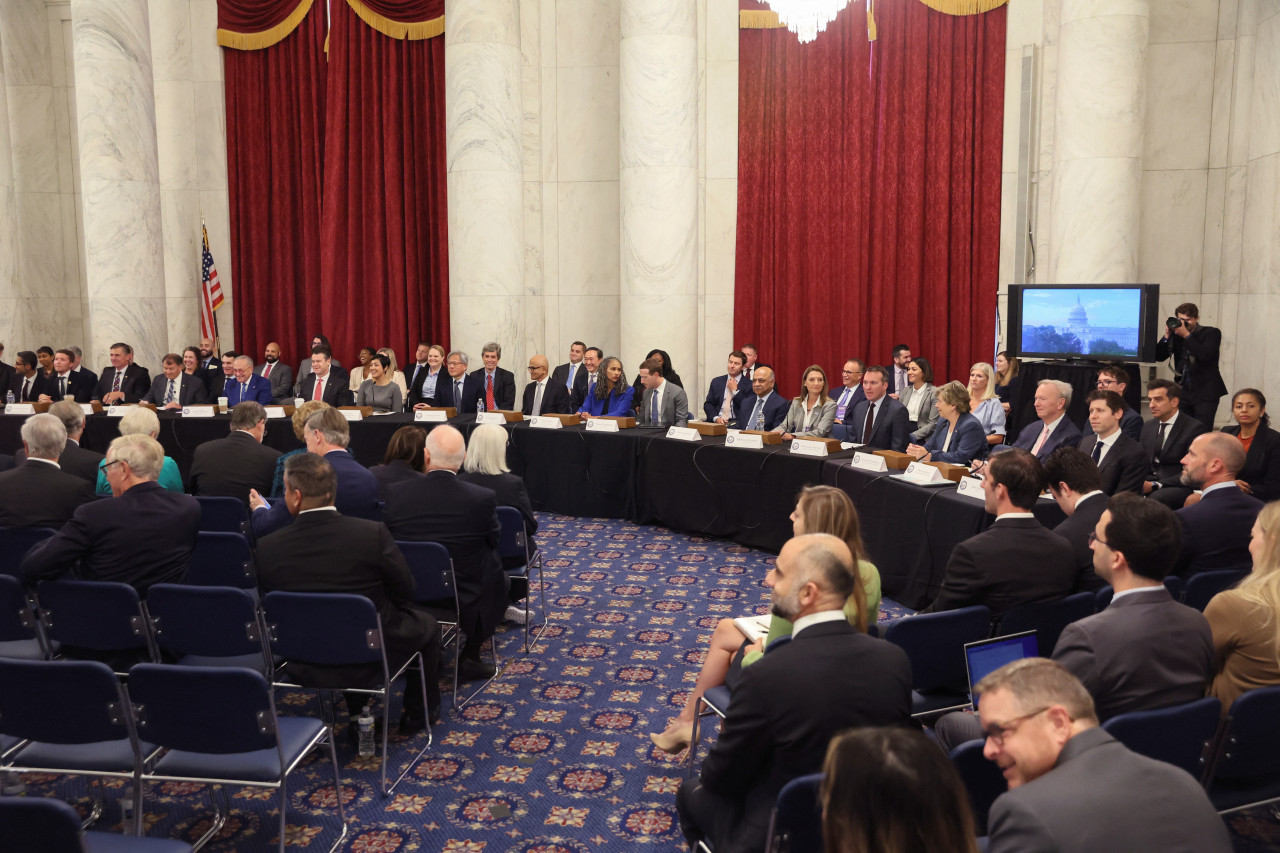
point(143, 537)
point(277, 373)
point(958, 437)
point(919, 397)
point(459, 390)
point(378, 390)
point(668, 372)
point(819, 509)
point(7, 462)
point(1166, 438)
point(1113, 378)
point(813, 412)
point(426, 373)
point(66, 382)
point(403, 459)
point(1143, 651)
point(1074, 788)
point(897, 370)
point(851, 393)
point(299, 420)
point(27, 385)
point(1008, 381)
point(788, 707)
point(323, 382)
point(890, 789)
point(173, 388)
point(753, 355)
point(397, 375)
point(142, 421)
point(44, 355)
point(573, 374)
point(591, 361)
point(878, 421)
point(1260, 475)
point(1246, 620)
point(610, 395)
point(984, 404)
point(325, 551)
point(1216, 524)
point(305, 366)
point(544, 395)
point(1121, 462)
point(663, 404)
point(463, 517)
point(1053, 428)
point(497, 384)
point(327, 434)
point(994, 568)
point(225, 376)
point(360, 372)
point(230, 467)
point(1075, 485)
point(244, 385)
point(76, 459)
point(39, 493)
point(763, 409)
point(721, 405)
point(123, 381)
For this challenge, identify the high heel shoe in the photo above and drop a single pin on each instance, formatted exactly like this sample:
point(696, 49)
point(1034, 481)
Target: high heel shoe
point(676, 737)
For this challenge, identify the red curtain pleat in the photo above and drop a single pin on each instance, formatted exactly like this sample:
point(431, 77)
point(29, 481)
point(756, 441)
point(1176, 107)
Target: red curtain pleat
point(869, 190)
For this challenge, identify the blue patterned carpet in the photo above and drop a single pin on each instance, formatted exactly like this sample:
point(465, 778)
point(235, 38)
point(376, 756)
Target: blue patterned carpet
point(554, 757)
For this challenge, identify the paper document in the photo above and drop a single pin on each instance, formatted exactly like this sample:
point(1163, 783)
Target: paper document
point(753, 627)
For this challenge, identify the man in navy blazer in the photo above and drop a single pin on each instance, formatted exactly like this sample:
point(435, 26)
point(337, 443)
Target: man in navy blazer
point(134, 381)
point(1217, 528)
point(66, 382)
point(714, 406)
point(889, 430)
point(38, 493)
point(325, 371)
point(1122, 463)
point(851, 393)
point(1054, 428)
point(247, 385)
point(1112, 378)
point(764, 409)
point(327, 434)
point(187, 389)
point(503, 380)
point(460, 389)
point(28, 383)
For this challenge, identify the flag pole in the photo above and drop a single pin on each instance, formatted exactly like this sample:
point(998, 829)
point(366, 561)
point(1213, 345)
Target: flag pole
point(213, 313)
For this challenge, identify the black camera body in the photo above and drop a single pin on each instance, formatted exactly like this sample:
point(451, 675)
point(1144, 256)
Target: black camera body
point(1173, 323)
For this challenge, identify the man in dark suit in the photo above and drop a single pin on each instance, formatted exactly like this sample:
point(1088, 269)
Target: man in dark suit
point(324, 382)
point(144, 536)
point(1054, 428)
point(232, 466)
point(1195, 350)
point(573, 372)
point(726, 392)
point(544, 395)
point(415, 377)
point(896, 372)
point(585, 382)
point(1072, 787)
point(6, 371)
point(305, 366)
point(227, 374)
point(1121, 462)
point(1216, 527)
point(497, 385)
point(75, 459)
point(28, 383)
point(851, 393)
point(1074, 483)
point(279, 374)
point(325, 551)
point(1016, 560)
point(327, 434)
point(1112, 378)
point(247, 386)
point(460, 390)
point(211, 364)
point(38, 493)
point(66, 382)
point(763, 409)
point(790, 703)
point(123, 381)
point(878, 421)
point(174, 389)
point(664, 404)
point(78, 367)
point(1166, 439)
point(464, 518)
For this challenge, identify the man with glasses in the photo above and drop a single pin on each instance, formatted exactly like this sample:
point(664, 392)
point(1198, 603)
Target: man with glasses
point(460, 390)
point(851, 394)
point(1117, 379)
point(1072, 786)
point(543, 396)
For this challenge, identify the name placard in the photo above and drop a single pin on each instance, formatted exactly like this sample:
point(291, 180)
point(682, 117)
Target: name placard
point(352, 414)
point(430, 416)
point(491, 418)
point(869, 462)
point(87, 408)
point(19, 408)
point(922, 474)
point(736, 438)
point(684, 433)
point(808, 448)
point(276, 412)
point(539, 422)
point(601, 425)
point(199, 411)
point(970, 487)
point(117, 411)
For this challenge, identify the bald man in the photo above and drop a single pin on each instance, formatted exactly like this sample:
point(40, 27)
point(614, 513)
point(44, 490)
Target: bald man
point(1216, 525)
point(542, 396)
point(279, 374)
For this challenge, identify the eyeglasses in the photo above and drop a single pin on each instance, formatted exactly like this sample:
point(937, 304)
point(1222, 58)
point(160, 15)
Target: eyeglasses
point(105, 465)
point(997, 732)
point(532, 368)
point(1093, 537)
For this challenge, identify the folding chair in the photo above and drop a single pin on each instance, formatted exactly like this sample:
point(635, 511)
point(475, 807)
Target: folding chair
point(1202, 587)
point(935, 642)
point(1175, 585)
point(983, 780)
point(19, 632)
point(1182, 735)
point(103, 617)
point(796, 823)
point(1246, 772)
point(1103, 597)
point(716, 701)
point(1046, 618)
point(336, 629)
point(46, 825)
point(208, 626)
point(225, 515)
point(15, 542)
point(222, 559)
point(516, 543)
point(220, 727)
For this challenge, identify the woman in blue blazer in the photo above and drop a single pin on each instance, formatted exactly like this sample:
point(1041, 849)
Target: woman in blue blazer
point(959, 437)
point(612, 395)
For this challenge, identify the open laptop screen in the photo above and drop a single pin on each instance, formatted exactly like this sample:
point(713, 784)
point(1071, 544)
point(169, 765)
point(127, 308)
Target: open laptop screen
point(986, 656)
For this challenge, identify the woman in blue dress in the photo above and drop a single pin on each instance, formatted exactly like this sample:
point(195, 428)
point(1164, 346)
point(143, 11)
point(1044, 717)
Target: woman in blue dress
point(612, 396)
point(958, 436)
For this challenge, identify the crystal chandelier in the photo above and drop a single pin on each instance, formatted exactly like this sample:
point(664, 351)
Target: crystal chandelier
point(806, 18)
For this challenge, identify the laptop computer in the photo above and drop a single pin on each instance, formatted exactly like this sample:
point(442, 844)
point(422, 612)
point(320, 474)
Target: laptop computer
point(986, 656)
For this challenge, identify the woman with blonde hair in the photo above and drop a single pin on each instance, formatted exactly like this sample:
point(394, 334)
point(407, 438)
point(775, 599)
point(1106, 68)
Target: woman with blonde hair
point(1246, 620)
point(300, 416)
point(957, 437)
point(984, 403)
point(813, 412)
point(139, 420)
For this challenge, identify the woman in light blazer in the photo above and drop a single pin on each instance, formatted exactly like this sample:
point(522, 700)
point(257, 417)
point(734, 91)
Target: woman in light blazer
point(813, 412)
point(919, 399)
point(958, 438)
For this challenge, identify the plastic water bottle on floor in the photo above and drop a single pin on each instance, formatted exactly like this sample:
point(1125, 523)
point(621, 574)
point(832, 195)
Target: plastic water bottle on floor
point(365, 725)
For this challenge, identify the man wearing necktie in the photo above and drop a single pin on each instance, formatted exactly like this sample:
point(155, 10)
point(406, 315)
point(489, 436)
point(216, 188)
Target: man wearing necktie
point(123, 381)
point(544, 395)
point(764, 409)
point(851, 394)
point(665, 404)
point(65, 381)
point(1122, 463)
point(587, 379)
point(727, 391)
point(28, 384)
point(497, 385)
point(898, 381)
point(1165, 439)
point(277, 373)
point(573, 372)
point(247, 386)
point(174, 389)
point(879, 421)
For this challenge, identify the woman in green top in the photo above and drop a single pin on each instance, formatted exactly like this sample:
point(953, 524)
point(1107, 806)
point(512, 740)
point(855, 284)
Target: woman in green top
point(819, 509)
point(139, 420)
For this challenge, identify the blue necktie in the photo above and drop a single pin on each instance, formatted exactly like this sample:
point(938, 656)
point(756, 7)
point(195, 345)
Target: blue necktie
point(757, 415)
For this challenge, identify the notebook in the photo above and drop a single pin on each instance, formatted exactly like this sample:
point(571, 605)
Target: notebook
point(986, 656)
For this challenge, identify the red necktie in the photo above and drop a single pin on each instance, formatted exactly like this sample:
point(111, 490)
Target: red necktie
point(319, 389)
point(488, 392)
point(266, 373)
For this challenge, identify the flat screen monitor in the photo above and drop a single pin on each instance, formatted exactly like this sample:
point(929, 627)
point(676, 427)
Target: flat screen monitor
point(1099, 322)
point(986, 656)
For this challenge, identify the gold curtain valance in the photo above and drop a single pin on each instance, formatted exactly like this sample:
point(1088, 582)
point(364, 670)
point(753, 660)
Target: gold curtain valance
point(414, 31)
point(767, 19)
point(265, 38)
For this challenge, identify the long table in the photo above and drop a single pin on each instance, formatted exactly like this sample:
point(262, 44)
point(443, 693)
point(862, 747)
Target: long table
point(703, 487)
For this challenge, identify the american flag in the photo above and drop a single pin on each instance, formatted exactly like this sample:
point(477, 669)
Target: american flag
point(210, 290)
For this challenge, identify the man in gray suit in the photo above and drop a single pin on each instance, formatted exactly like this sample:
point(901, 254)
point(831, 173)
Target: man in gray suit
point(1072, 787)
point(665, 404)
point(278, 373)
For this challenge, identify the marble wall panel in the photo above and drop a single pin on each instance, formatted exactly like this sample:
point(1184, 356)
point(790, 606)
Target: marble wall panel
point(170, 24)
point(721, 235)
point(1233, 228)
point(547, 33)
point(122, 239)
point(72, 274)
point(587, 33)
point(531, 126)
point(1238, 138)
point(63, 133)
point(1171, 246)
point(550, 243)
point(592, 318)
point(717, 340)
point(1100, 92)
point(1046, 103)
point(59, 69)
point(475, 320)
point(32, 135)
point(1078, 10)
point(722, 32)
point(1257, 337)
point(530, 37)
point(1179, 92)
point(649, 322)
point(721, 147)
point(1008, 229)
point(13, 324)
point(24, 26)
point(1228, 11)
point(211, 142)
point(206, 55)
point(1214, 213)
point(138, 321)
point(548, 143)
point(588, 224)
point(180, 220)
point(491, 22)
point(1258, 261)
point(587, 123)
point(659, 101)
point(1183, 21)
point(183, 315)
point(659, 210)
point(176, 134)
point(1264, 121)
point(39, 269)
point(50, 322)
point(486, 245)
point(1025, 24)
point(1089, 247)
point(1012, 108)
point(1229, 312)
point(532, 193)
point(1224, 65)
point(483, 118)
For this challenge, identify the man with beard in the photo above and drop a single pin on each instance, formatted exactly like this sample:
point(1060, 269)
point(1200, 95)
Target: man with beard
point(279, 374)
point(210, 364)
point(1218, 523)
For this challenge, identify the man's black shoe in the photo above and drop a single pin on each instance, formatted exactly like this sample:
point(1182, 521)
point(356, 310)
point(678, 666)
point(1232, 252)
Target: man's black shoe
point(475, 670)
point(411, 724)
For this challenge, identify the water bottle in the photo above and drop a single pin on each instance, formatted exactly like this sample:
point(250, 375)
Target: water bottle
point(9, 398)
point(479, 404)
point(365, 726)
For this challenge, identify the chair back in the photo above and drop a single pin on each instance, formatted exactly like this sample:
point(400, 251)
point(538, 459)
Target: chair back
point(934, 642)
point(99, 615)
point(223, 515)
point(1174, 584)
point(432, 570)
point(17, 621)
point(15, 542)
point(325, 628)
point(1202, 587)
point(1102, 598)
point(1179, 735)
point(513, 542)
point(221, 559)
point(1047, 618)
point(198, 709)
point(206, 621)
point(1251, 748)
point(64, 702)
point(797, 816)
point(983, 780)
point(39, 825)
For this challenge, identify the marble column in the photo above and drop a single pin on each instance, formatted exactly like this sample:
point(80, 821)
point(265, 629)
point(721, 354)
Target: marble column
point(658, 152)
point(119, 178)
point(1099, 120)
point(11, 308)
point(483, 134)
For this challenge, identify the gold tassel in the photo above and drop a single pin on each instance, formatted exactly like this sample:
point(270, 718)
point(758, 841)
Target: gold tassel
point(963, 7)
point(871, 21)
point(751, 19)
point(762, 19)
point(265, 38)
point(415, 31)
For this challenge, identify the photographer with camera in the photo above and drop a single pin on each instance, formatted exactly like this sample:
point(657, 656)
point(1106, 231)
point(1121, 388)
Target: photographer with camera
point(1195, 362)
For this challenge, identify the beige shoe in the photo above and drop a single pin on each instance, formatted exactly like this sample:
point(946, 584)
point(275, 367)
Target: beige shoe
point(676, 737)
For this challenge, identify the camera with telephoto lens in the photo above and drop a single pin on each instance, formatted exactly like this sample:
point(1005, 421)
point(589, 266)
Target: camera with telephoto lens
point(1172, 323)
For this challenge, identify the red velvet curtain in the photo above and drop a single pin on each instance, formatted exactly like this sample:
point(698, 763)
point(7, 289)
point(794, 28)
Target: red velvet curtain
point(384, 238)
point(869, 190)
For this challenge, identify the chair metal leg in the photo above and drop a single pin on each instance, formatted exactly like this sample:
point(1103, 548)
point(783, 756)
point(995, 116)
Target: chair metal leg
point(386, 791)
point(546, 619)
point(221, 809)
point(96, 797)
point(337, 790)
point(284, 803)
